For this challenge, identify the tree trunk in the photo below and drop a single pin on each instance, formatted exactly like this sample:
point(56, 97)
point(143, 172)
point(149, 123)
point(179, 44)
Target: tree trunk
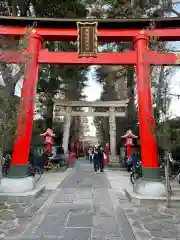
point(49, 114)
point(131, 111)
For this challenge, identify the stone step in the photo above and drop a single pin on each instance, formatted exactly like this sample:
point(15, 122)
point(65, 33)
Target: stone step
point(175, 184)
point(29, 196)
point(177, 189)
point(138, 199)
point(175, 192)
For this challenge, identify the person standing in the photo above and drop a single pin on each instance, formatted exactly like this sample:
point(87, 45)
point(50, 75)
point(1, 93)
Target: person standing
point(96, 158)
point(101, 158)
point(87, 154)
point(90, 154)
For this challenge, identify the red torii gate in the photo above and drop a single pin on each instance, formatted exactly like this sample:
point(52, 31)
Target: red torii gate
point(108, 30)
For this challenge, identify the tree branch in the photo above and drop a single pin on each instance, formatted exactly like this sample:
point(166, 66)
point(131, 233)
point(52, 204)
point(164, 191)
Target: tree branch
point(10, 80)
point(178, 2)
point(175, 12)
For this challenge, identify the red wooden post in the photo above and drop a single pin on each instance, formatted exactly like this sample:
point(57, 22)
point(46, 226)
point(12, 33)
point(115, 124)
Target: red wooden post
point(77, 150)
point(106, 160)
point(146, 118)
point(20, 157)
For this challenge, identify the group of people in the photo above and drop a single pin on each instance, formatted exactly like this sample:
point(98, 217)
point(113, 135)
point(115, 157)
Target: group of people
point(96, 155)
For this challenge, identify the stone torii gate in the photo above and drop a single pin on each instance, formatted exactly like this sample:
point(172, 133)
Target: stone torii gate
point(112, 114)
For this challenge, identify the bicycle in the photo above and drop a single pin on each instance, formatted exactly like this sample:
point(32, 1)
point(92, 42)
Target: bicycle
point(33, 171)
point(137, 173)
point(172, 174)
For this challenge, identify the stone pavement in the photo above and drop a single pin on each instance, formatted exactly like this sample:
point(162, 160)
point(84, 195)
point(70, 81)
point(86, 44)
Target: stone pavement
point(51, 180)
point(86, 206)
point(148, 222)
point(15, 215)
point(81, 208)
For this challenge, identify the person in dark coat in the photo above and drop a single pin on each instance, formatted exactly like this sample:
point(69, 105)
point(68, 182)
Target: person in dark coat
point(96, 159)
point(101, 156)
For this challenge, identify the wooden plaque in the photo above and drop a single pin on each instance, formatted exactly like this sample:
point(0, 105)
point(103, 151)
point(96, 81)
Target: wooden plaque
point(87, 39)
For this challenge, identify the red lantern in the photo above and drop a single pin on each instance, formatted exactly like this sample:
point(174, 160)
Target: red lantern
point(129, 137)
point(48, 139)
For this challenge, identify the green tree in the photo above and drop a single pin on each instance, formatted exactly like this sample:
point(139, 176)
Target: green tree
point(8, 116)
point(10, 75)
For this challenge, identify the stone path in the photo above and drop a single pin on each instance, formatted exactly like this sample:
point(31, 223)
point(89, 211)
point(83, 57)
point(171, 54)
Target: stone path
point(15, 216)
point(80, 209)
point(150, 221)
point(86, 207)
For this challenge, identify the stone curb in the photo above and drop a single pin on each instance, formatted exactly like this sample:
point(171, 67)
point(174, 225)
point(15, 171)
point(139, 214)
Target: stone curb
point(136, 198)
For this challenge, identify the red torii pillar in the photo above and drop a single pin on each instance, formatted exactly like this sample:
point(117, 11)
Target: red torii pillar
point(151, 185)
point(18, 173)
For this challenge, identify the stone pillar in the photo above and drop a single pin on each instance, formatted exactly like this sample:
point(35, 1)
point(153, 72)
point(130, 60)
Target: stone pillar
point(122, 156)
point(67, 125)
point(112, 131)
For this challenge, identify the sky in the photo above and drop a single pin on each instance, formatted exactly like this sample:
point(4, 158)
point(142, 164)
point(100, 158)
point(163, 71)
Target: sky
point(93, 92)
point(175, 89)
point(175, 81)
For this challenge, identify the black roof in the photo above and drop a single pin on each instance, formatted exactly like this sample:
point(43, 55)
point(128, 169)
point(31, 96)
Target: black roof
point(141, 23)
